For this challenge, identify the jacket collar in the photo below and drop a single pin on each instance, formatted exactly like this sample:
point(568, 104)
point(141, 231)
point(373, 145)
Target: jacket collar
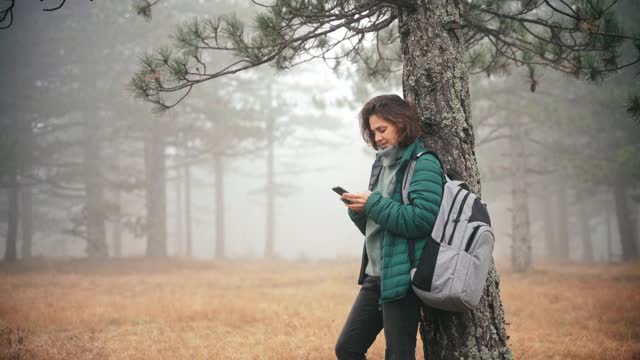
point(407, 154)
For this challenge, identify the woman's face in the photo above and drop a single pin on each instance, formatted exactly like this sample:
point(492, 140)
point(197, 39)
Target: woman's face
point(386, 133)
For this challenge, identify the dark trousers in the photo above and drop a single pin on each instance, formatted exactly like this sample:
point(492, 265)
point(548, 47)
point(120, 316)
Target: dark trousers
point(398, 318)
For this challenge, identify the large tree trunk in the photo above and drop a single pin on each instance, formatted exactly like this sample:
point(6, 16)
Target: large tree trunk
point(187, 206)
point(94, 189)
point(520, 240)
point(156, 191)
point(625, 224)
point(219, 175)
point(435, 78)
point(271, 189)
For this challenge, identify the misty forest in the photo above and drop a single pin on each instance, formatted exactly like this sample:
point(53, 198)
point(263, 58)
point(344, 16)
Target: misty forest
point(166, 170)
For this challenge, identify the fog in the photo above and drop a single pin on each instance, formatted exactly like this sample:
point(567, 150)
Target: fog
point(65, 69)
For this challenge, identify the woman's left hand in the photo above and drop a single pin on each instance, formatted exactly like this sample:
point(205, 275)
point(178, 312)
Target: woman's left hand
point(358, 200)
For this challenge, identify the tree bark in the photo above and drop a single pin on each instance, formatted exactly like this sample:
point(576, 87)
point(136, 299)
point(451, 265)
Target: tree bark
point(156, 191)
point(435, 79)
point(521, 240)
point(94, 189)
point(625, 224)
point(219, 201)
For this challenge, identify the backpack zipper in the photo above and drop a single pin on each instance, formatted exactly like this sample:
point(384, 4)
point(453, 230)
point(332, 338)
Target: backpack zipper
point(457, 219)
point(444, 231)
point(472, 238)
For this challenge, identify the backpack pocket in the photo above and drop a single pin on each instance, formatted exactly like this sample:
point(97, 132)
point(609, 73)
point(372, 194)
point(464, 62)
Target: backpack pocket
point(433, 279)
point(475, 277)
point(423, 274)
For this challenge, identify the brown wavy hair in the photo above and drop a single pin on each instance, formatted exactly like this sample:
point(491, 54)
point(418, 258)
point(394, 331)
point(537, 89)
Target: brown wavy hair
point(394, 109)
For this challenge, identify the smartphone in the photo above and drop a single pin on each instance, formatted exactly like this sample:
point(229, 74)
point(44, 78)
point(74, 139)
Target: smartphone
point(339, 190)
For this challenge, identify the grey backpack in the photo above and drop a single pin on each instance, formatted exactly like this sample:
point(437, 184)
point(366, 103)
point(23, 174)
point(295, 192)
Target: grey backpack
point(453, 268)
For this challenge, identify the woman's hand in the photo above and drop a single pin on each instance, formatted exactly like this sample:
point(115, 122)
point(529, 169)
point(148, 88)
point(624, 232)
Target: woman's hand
point(358, 200)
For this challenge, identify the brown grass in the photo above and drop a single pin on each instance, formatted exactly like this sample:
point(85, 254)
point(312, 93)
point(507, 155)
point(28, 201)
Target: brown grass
point(179, 309)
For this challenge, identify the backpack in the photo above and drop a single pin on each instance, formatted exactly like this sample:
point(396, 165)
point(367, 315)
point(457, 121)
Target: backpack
point(452, 271)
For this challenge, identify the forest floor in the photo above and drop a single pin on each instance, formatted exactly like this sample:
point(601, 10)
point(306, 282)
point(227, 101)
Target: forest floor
point(182, 309)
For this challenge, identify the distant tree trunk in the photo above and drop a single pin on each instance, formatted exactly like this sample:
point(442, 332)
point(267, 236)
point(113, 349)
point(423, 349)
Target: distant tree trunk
point(156, 191)
point(625, 224)
point(178, 213)
point(26, 191)
point(271, 189)
point(116, 236)
point(10, 253)
point(612, 234)
point(26, 221)
point(562, 222)
point(187, 206)
point(549, 221)
point(584, 219)
point(117, 225)
point(635, 222)
point(219, 178)
point(521, 241)
point(609, 240)
point(435, 79)
point(94, 189)
point(609, 236)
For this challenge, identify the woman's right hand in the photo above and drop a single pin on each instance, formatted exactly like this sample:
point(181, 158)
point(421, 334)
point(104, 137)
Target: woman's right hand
point(358, 200)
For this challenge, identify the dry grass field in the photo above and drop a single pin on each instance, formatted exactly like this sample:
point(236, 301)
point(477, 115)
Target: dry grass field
point(179, 309)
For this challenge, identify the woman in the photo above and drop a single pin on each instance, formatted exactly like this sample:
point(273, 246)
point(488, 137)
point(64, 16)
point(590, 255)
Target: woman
point(391, 126)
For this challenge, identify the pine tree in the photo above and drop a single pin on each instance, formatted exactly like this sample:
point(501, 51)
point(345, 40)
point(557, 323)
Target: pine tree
point(440, 43)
